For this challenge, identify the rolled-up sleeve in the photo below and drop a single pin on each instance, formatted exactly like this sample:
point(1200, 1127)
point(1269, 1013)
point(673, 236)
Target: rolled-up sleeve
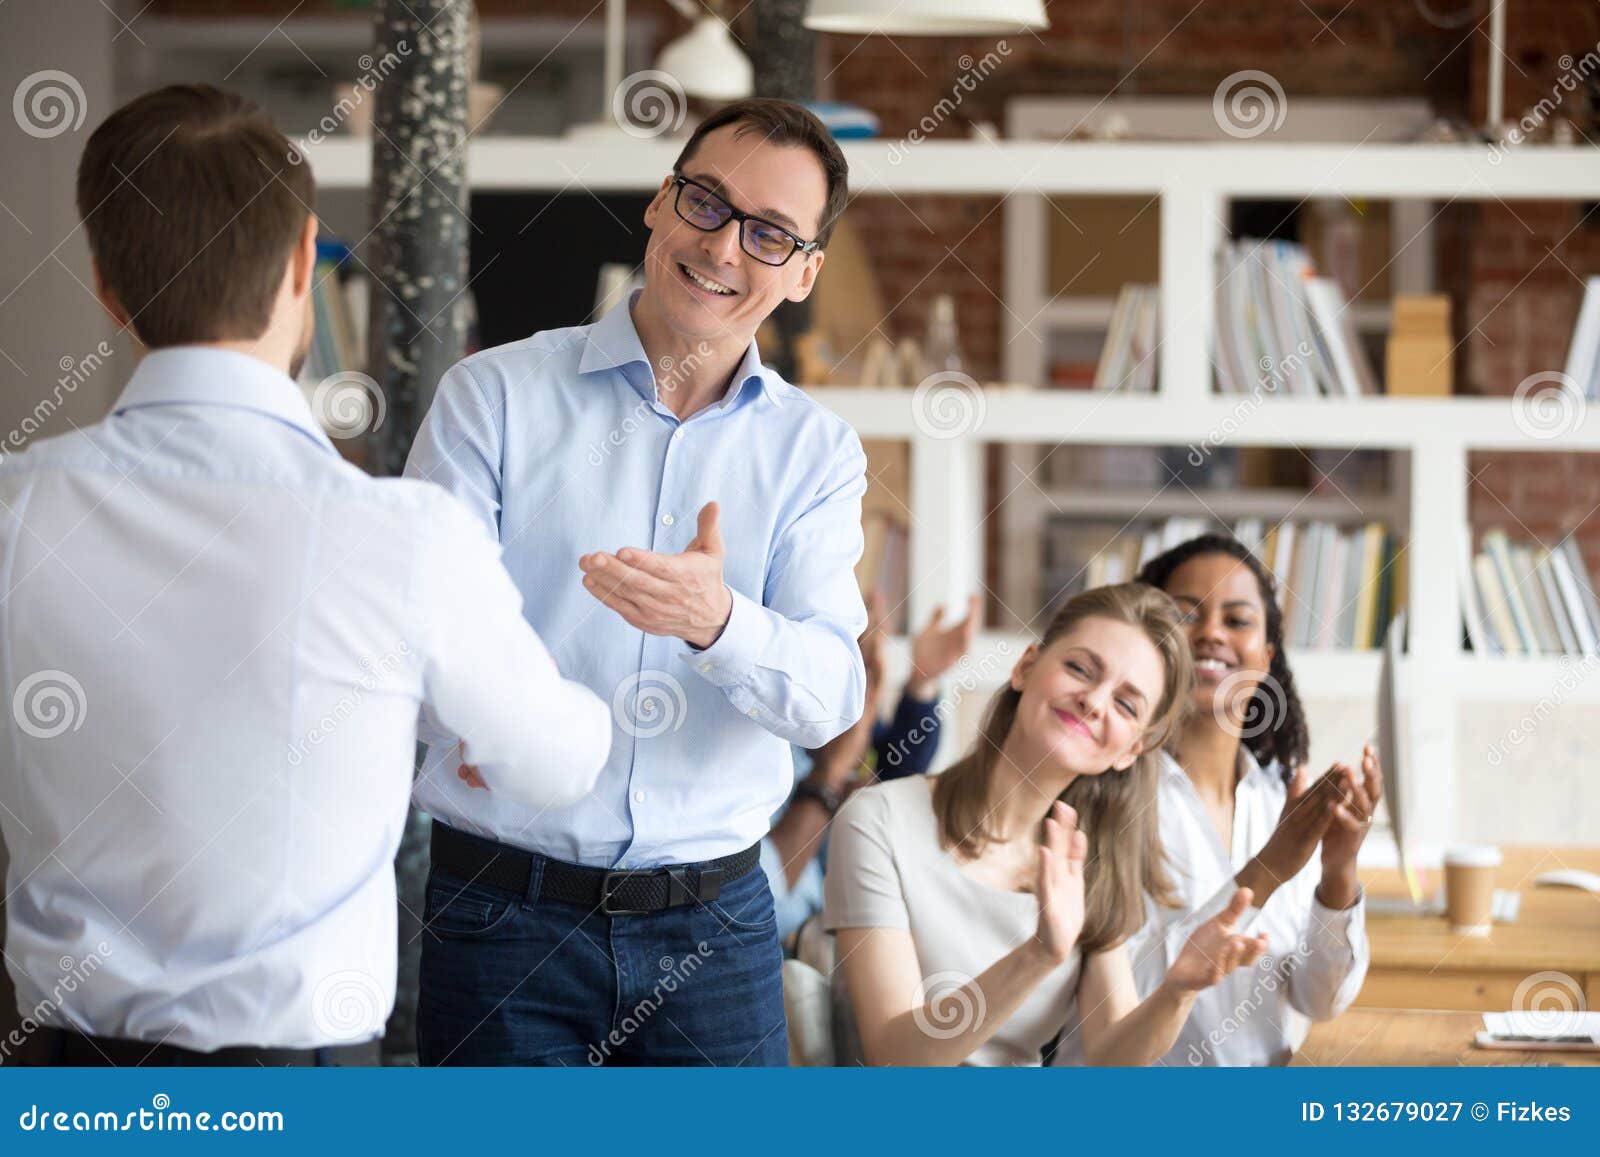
point(1331, 960)
point(791, 662)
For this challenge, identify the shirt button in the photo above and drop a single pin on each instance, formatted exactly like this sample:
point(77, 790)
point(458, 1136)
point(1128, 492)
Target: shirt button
point(705, 668)
point(751, 712)
point(678, 433)
point(638, 797)
point(667, 520)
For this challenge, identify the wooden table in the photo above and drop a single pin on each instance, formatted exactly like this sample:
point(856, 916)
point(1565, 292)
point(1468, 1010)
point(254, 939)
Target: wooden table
point(1418, 963)
point(1389, 1037)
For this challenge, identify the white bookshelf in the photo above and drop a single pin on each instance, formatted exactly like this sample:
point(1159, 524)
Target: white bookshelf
point(1194, 182)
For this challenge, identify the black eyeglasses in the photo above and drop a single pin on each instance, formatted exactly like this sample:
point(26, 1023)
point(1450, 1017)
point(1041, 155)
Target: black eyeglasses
point(768, 243)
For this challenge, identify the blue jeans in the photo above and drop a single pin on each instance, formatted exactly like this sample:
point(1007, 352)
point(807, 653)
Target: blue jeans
point(512, 981)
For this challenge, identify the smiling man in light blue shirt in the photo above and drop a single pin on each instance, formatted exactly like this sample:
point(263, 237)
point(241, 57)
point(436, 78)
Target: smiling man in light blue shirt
point(684, 526)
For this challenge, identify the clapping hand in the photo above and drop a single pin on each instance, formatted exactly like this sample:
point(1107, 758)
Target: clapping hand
point(1215, 949)
point(1060, 883)
point(1352, 819)
point(936, 648)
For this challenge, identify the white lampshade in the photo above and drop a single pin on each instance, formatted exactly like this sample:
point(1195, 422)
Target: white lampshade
point(707, 62)
point(926, 17)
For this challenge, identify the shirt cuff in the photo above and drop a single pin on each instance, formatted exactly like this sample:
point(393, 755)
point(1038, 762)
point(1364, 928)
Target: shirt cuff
point(1345, 928)
point(732, 659)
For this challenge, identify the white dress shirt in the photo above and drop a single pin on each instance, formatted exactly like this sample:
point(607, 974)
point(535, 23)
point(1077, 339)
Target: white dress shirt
point(215, 639)
point(561, 444)
point(1316, 956)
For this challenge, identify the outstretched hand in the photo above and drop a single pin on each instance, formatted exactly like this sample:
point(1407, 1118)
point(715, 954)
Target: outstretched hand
point(681, 595)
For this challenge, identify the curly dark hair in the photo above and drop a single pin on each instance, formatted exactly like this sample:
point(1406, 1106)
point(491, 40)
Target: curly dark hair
point(1288, 740)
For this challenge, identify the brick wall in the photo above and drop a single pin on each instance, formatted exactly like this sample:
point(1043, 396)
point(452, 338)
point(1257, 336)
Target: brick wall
point(1514, 269)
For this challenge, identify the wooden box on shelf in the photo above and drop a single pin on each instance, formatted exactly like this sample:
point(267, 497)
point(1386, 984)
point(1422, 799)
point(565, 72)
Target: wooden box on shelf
point(1419, 357)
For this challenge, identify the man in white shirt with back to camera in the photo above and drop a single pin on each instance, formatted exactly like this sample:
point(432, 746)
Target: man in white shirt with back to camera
point(218, 635)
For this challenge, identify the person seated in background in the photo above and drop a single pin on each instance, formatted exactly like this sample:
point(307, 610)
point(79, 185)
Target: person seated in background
point(1236, 809)
point(971, 917)
point(794, 853)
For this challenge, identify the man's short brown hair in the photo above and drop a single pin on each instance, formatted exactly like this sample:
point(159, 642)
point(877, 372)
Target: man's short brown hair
point(192, 201)
point(783, 122)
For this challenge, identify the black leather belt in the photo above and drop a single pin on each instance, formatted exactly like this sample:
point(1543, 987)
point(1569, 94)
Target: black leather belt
point(625, 892)
point(57, 1046)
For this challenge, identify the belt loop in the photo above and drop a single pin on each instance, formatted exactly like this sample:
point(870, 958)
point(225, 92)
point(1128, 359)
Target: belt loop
point(536, 864)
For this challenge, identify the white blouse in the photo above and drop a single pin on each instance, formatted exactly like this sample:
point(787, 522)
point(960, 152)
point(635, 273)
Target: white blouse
point(1316, 957)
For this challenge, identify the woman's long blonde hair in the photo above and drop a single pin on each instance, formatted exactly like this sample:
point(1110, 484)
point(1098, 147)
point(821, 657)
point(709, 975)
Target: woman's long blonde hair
point(1116, 809)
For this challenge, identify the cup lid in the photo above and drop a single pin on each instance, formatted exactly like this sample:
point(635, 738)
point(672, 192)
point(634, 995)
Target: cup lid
point(1472, 855)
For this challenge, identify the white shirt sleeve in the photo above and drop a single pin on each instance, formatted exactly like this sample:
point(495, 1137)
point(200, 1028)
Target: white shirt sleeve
point(1325, 950)
point(535, 738)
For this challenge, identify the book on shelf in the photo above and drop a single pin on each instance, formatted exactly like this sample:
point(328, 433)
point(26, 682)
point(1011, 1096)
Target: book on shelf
point(1128, 358)
point(1338, 586)
point(1282, 328)
point(1583, 355)
point(1524, 599)
point(885, 564)
point(339, 309)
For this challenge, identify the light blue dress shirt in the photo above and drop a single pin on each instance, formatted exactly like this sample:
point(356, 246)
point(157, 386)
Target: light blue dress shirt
point(216, 636)
point(562, 445)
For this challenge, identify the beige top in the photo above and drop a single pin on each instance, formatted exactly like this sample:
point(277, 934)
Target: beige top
point(887, 870)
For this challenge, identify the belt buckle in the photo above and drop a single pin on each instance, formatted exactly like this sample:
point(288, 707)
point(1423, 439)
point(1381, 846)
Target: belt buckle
point(606, 892)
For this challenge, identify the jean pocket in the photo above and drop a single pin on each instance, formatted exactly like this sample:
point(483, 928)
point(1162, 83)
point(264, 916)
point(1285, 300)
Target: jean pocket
point(752, 913)
point(462, 911)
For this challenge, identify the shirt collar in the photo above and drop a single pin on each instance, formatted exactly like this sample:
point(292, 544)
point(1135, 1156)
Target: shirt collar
point(613, 344)
point(1249, 768)
point(199, 376)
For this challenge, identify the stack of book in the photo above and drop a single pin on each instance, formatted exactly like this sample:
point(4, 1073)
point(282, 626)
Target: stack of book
point(884, 566)
point(1282, 329)
point(1338, 586)
point(1523, 599)
point(1128, 359)
point(1583, 356)
point(339, 304)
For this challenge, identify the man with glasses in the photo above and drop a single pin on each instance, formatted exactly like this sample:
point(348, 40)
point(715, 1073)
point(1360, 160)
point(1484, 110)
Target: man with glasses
point(689, 524)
